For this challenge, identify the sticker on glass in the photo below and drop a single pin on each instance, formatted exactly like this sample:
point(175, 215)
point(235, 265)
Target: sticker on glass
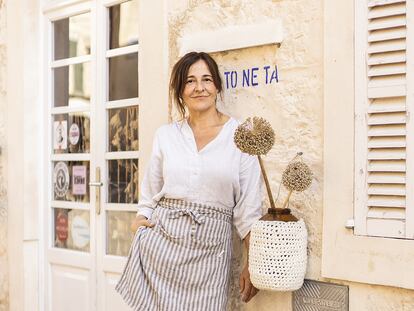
point(74, 134)
point(62, 226)
point(80, 232)
point(61, 179)
point(79, 179)
point(60, 130)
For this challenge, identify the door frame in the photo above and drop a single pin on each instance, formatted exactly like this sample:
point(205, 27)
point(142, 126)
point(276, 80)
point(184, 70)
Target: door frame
point(153, 89)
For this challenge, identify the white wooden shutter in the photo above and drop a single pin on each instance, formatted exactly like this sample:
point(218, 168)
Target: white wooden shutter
point(383, 193)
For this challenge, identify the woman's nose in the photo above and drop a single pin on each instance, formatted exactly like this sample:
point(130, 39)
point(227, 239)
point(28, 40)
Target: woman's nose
point(199, 86)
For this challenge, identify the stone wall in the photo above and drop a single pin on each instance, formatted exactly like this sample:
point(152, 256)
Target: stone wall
point(3, 197)
point(294, 106)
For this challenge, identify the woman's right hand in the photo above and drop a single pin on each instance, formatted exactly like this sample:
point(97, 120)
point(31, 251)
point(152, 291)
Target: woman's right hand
point(139, 221)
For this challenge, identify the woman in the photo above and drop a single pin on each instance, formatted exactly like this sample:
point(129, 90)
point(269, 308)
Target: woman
point(198, 184)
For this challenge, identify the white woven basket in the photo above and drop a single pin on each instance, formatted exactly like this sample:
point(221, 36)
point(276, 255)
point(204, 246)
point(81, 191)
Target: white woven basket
point(278, 255)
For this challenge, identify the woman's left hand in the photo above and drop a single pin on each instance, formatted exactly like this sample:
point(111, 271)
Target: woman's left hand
point(247, 290)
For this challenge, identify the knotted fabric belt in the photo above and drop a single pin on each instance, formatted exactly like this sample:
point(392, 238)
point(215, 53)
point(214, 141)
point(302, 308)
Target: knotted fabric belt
point(196, 211)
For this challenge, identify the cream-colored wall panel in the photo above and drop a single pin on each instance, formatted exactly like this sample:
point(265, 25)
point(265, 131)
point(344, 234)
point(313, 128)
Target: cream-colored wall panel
point(14, 154)
point(153, 75)
point(32, 120)
point(4, 274)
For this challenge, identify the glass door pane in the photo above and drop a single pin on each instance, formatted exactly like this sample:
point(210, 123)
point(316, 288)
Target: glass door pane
point(71, 132)
point(122, 126)
point(72, 36)
point(72, 229)
point(71, 181)
point(72, 85)
point(123, 24)
point(119, 235)
point(123, 77)
point(123, 129)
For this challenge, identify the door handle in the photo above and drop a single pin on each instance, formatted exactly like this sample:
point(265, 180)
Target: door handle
point(98, 184)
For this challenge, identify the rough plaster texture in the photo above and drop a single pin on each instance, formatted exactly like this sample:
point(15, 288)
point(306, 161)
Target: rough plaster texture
point(294, 106)
point(3, 197)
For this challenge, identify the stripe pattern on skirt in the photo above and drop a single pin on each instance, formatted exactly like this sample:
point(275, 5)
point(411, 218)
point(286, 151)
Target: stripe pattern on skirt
point(183, 262)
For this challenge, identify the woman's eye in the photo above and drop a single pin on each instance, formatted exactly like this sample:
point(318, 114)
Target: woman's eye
point(190, 81)
point(208, 80)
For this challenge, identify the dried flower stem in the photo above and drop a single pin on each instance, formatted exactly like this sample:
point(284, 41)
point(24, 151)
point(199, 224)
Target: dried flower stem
point(287, 199)
point(269, 191)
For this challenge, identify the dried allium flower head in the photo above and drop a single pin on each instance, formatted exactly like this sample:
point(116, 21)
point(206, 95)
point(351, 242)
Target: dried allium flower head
point(254, 136)
point(297, 176)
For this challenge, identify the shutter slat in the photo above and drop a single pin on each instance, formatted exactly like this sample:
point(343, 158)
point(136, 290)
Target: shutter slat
point(383, 2)
point(387, 11)
point(386, 108)
point(386, 154)
point(391, 201)
point(387, 142)
point(386, 70)
point(387, 34)
point(386, 178)
point(384, 118)
point(386, 59)
point(388, 81)
point(386, 145)
point(382, 189)
point(387, 130)
point(389, 91)
point(384, 23)
point(386, 213)
point(386, 166)
point(387, 46)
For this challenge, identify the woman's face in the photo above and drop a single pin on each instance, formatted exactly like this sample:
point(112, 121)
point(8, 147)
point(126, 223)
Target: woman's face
point(199, 93)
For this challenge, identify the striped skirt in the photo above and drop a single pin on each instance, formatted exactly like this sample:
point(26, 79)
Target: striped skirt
point(183, 262)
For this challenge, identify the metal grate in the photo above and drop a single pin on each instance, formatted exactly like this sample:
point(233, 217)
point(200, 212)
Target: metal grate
point(321, 296)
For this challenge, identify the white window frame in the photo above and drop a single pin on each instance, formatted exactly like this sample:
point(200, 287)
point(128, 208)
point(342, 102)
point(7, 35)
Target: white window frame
point(346, 256)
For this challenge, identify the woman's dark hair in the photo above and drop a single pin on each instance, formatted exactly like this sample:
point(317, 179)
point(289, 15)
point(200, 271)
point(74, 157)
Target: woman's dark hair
point(180, 72)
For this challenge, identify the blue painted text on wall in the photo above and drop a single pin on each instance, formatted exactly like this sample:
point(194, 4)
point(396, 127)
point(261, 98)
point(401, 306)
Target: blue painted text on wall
point(250, 77)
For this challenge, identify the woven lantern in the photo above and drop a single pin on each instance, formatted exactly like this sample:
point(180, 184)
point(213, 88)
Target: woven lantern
point(278, 241)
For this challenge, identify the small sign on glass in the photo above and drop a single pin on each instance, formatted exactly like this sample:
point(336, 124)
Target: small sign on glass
point(79, 179)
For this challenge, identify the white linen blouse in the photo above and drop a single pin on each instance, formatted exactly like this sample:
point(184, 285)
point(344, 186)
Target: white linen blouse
point(219, 174)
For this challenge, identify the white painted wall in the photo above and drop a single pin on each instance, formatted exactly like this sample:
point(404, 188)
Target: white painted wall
point(4, 283)
point(24, 151)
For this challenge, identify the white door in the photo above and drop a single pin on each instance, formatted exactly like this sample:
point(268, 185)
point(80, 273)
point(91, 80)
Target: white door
point(92, 91)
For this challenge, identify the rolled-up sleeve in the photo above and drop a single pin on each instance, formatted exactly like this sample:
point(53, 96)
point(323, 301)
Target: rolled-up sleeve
point(153, 181)
point(248, 207)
